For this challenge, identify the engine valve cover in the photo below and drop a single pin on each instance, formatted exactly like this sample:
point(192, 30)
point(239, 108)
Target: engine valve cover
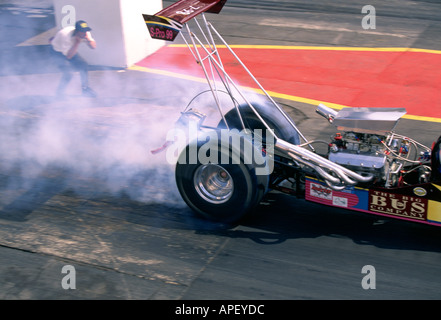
point(368, 161)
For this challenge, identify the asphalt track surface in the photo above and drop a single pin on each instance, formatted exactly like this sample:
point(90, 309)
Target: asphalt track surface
point(79, 187)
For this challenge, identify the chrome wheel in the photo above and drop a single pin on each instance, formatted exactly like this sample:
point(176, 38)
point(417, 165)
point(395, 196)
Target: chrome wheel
point(220, 192)
point(213, 183)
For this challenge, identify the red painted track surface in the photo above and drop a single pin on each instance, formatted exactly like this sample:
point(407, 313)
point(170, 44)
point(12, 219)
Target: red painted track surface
point(354, 78)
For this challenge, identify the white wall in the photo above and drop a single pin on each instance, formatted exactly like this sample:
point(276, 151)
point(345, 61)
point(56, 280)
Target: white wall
point(117, 26)
point(138, 42)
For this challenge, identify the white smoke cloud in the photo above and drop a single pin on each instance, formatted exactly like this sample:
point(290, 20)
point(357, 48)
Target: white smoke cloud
point(106, 140)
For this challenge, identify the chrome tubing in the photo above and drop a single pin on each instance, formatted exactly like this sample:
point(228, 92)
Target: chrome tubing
point(342, 176)
point(326, 112)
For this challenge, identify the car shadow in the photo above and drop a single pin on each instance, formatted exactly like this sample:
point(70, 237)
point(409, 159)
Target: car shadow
point(279, 217)
point(282, 217)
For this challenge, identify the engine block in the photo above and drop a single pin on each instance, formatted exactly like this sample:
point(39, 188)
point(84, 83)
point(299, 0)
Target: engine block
point(366, 143)
point(361, 152)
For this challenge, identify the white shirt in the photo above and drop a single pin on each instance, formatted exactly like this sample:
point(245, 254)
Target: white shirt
point(64, 40)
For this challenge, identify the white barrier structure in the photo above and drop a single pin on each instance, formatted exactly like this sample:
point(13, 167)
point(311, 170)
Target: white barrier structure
point(117, 26)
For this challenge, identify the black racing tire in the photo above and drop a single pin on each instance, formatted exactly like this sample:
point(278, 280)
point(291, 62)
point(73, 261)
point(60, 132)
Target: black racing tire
point(222, 192)
point(275, 120)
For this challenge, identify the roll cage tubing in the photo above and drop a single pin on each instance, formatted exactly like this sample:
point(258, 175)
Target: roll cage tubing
point(170, 22)
point(167, 23)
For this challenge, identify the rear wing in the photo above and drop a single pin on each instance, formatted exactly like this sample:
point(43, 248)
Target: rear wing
point(167, 23)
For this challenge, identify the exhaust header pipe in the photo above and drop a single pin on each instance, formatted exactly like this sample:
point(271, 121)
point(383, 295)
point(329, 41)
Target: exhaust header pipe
point(326, 112)
point(336, 176)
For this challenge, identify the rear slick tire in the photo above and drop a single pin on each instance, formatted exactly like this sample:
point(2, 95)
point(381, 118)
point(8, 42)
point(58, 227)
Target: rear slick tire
point(274, 119)
point(222, 192)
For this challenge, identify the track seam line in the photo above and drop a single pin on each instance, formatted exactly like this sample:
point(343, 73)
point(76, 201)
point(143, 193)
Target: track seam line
point(202, 270)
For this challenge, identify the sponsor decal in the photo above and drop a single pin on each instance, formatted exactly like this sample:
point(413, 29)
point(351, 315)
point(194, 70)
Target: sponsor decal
point(351, 198)
point(340, 202)
point(398, 205)
point(320, 191)
point(421, 192)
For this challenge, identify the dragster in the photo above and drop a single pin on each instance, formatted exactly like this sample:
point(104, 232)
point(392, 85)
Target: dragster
point(366, 165)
